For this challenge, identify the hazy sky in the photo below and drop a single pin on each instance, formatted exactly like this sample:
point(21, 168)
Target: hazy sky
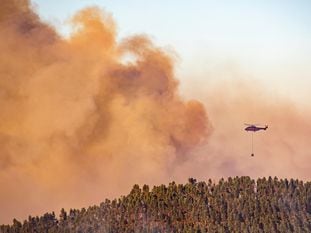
point(265, 40)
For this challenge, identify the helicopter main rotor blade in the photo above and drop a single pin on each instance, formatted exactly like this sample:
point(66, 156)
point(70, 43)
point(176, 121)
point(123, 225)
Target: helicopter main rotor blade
point(252, 124)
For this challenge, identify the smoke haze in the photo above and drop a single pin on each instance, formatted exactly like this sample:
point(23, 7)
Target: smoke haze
point(232, 100)
point(85, 118)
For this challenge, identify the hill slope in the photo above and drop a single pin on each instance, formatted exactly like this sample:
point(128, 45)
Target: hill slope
point(238, 204)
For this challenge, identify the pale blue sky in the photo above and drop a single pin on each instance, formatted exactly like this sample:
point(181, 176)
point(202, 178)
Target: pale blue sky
point(268, 39)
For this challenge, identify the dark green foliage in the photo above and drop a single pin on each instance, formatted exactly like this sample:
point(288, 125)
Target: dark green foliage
point(236, 205)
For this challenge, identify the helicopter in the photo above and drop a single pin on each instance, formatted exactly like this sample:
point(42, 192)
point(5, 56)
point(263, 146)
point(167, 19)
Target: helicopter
point(254, 128)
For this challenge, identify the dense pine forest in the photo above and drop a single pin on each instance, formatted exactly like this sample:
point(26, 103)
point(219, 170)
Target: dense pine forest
point(238, 204)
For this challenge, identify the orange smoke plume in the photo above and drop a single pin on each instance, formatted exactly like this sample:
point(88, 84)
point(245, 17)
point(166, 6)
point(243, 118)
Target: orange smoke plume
point(77, 122)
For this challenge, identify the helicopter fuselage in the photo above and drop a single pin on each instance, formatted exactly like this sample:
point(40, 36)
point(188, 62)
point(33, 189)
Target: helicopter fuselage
point(254, 128)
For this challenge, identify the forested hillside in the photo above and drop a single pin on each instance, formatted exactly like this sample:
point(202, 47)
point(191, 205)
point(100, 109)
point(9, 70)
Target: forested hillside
point(238, 204)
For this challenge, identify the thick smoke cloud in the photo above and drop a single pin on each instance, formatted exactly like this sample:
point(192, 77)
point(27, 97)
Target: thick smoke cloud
point(78, 121)
point(85, 118)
